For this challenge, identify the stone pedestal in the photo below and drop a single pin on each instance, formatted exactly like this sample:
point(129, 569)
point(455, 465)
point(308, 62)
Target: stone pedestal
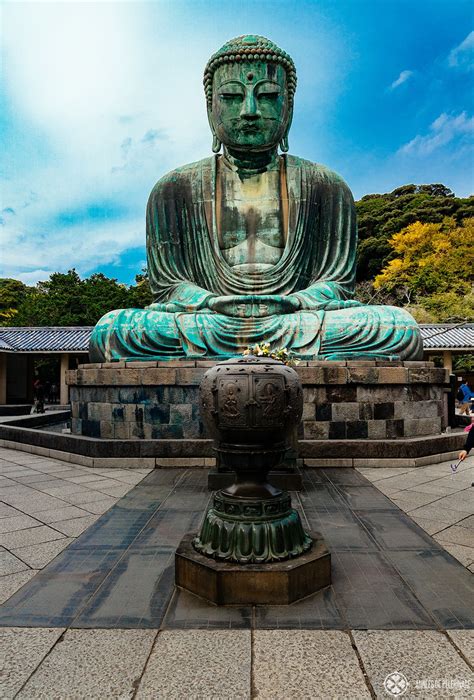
point(279, 583)
point(342, 400)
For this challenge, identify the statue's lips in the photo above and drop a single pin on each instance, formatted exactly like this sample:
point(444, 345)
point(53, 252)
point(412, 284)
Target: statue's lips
point(249, 128)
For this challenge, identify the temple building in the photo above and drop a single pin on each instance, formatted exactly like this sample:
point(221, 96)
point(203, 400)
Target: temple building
point(26, 353)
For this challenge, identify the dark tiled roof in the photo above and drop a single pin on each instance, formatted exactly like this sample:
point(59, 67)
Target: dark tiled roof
point(45, 339)
point(448, 336)
point(4, 345)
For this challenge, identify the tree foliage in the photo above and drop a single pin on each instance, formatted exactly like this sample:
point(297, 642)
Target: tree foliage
point(67, 300)
point(140, 293)
point(380, 216)
point(432, 271)
point(12, 294)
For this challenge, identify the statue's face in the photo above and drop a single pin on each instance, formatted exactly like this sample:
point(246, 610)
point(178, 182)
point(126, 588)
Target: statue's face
point(250, 105)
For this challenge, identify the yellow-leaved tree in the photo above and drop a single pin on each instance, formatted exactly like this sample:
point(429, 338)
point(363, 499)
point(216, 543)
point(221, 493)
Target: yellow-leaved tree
point(432, 273)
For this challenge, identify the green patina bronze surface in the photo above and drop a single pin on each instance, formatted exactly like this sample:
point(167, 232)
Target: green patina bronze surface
point(251, 245)
point(252, 531)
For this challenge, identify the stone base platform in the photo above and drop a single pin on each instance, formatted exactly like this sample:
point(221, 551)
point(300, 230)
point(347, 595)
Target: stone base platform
point(158, 454)
point(355, 400)
point(280, 583)
point(145, 414)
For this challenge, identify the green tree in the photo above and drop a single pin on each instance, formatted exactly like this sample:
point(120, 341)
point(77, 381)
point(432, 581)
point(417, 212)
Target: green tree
point(12, 294)
point(380, 216)
point(67, 300)
point(140, 294)
point(101, 294)
point(432, 271)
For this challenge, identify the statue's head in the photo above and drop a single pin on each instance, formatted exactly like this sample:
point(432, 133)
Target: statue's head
point(250, 83)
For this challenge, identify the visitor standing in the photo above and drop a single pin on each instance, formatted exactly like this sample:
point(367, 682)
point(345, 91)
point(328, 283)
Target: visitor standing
point(54, 393)
point(464, 396)
point(38, 391)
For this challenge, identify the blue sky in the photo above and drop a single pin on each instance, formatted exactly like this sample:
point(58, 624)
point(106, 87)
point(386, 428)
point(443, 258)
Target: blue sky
point(99, 99)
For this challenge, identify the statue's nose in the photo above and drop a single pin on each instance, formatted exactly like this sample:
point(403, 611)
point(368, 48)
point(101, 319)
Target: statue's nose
point(250, 108)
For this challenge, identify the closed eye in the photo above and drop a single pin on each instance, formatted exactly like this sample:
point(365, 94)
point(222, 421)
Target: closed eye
point(231, 96)
point(268, 95)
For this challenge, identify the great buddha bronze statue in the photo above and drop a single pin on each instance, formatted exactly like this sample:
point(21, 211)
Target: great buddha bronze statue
point(251, 245)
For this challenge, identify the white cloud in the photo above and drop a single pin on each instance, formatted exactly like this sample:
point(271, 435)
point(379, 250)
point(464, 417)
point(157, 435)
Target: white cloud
point(93, 85)
point(442, 131)
point(402, 78)
point(87, 73)
point(31, 278)
point(462, 56)
point(81, 246)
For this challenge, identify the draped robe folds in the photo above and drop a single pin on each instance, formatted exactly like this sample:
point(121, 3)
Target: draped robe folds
point(186, 268)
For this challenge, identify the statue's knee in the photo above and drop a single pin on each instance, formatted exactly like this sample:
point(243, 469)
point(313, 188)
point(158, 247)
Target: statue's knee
point(109, 317)
point(119, 318)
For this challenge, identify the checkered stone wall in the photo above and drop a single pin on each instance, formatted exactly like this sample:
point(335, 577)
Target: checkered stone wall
point(342, 400)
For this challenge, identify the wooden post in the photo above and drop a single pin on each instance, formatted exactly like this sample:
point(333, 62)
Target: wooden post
point(448, 360)
point(63, 387)
point(3, 378)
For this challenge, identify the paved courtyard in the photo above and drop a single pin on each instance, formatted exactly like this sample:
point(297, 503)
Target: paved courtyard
point(90, 610)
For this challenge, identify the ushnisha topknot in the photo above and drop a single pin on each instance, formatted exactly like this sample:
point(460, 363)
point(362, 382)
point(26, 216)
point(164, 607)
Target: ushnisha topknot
point(250, 48)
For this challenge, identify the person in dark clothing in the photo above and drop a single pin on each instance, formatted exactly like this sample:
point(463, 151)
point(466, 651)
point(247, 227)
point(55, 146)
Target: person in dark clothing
point(468, 446)
point(38, 392)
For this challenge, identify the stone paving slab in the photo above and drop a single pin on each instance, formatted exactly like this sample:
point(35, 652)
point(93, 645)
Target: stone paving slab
point(65, 513)
point(10, 583)
point(92, 664)
point(135, 594)
point(439, 583)
point(322, 611)
point(22, 652)
point(38, 556)
point(17, 522)
point(461, 553)
point(430, 526)
point(29, 536)
point(306, 664)
point(37, 521)
point(446, 516)
point(75, 527)
point(7, 511)
point(456, 535)
point(370, 593)
point(464, 640)
point(9, 564)
point(425, 658)
point(198, 664)
point(187, 611)
point(435, 498)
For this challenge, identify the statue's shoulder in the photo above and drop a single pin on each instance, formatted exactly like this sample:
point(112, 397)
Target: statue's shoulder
point(181, 176)
point(318, 173)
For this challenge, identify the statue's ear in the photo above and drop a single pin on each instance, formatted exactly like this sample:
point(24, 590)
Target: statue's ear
point(216, 143)
point(284, 147)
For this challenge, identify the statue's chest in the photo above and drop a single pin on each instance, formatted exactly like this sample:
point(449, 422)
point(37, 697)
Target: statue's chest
point(251, 230)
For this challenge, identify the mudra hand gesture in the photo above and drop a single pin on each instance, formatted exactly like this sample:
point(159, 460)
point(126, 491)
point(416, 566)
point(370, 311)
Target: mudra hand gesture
point(254, 305)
